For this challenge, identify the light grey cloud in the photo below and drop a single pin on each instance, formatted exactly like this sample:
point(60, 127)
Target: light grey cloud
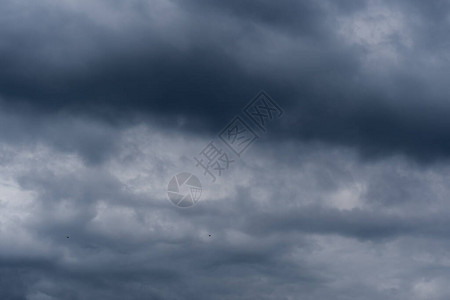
point(287, 220)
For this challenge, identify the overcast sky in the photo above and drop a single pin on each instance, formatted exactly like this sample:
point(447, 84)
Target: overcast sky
point(344, 194)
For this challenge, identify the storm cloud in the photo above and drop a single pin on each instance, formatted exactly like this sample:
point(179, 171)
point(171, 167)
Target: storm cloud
point(345, 196)
point(366, 74)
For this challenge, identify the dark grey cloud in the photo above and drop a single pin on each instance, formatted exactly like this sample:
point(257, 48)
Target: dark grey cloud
point(103, 102)
point(356, 73)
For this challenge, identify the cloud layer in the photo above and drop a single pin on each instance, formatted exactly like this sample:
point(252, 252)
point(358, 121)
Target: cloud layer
point(345, 197)
point(369, 74)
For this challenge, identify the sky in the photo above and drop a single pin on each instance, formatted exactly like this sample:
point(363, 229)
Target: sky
point(343, 193)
